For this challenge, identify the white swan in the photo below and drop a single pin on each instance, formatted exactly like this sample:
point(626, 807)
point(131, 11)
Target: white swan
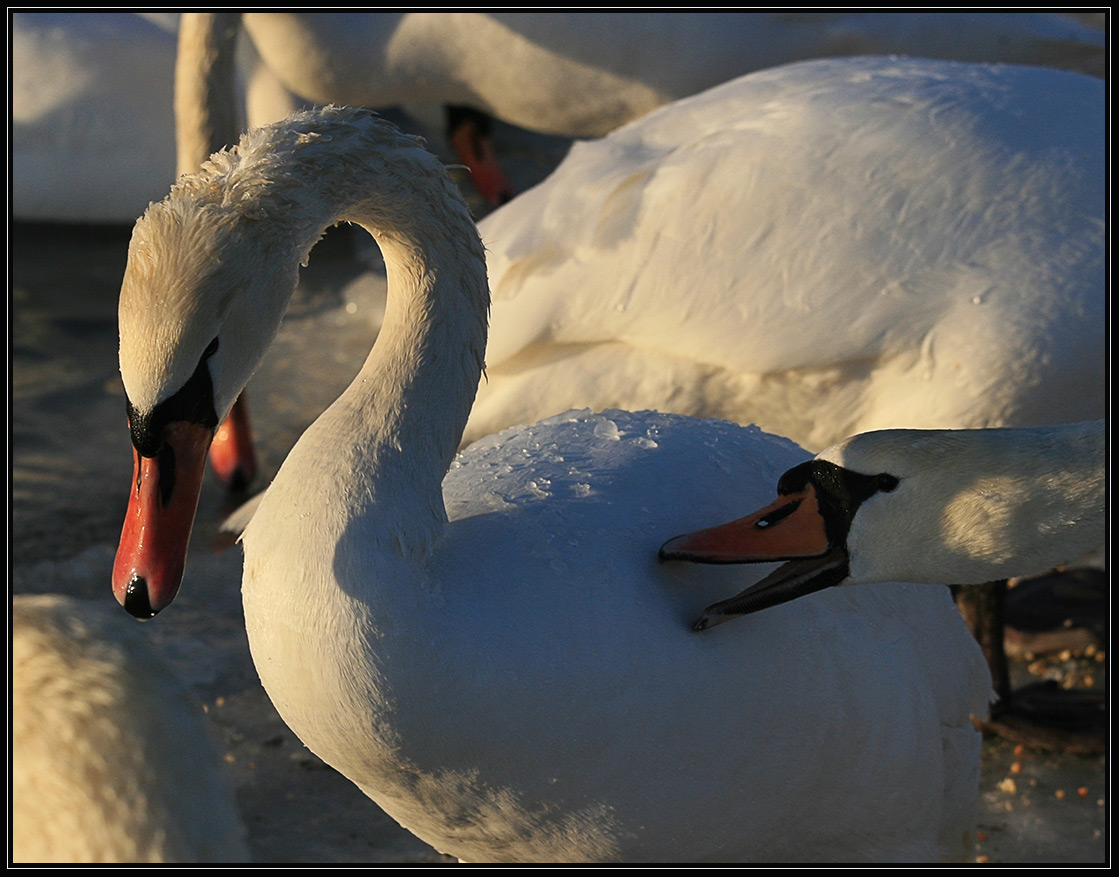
point(582, 74)
point(91, 119)
point(208, 86)
point(112, 758)
point(950, 506)
point(823, 249)
point(497, 659)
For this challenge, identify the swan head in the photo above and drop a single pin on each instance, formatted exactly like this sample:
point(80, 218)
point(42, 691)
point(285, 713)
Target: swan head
point(936, 506)
point(202, 289)
point(808, 526)
point(210, 271)
point(201, 299)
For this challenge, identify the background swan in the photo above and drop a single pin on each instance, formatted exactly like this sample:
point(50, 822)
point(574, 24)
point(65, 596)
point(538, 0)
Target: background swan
point(91, 118)
point(72, 72)
point(112, 758)
point(567, 713)
point(822, 248)
point(584, 74)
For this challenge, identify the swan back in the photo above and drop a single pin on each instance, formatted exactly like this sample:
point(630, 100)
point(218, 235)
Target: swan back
point(112, 758)
point(949, 217)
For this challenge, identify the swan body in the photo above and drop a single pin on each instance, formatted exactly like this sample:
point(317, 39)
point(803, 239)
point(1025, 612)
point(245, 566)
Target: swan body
point(584, 74)
point(112, 758)
point(495, 657)
point(823, 249)
point(951, 506)
point(91, 118)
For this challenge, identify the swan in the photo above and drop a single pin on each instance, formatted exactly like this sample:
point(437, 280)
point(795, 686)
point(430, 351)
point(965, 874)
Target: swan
point(207, 105)
point(950, 506)
point(570, 74)
point(112, 760)
point(823, 248)
point(580, 74)
point(495, 657)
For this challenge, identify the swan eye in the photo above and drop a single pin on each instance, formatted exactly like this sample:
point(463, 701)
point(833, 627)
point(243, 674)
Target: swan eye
point(211, 348)
point(886, 481)
point(777, 515)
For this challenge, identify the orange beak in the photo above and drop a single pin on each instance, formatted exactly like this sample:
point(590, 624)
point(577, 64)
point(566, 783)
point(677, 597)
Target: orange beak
point(153, 542)
point(475, 150)
point(231, 453)
point(790, 529)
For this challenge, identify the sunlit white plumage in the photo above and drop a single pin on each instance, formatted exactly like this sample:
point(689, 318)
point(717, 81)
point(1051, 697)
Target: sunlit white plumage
point(822, 249)
point(497, 658)
point(112, 758)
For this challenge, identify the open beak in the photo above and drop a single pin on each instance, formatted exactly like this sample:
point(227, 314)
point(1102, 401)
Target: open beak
point(790, 529)
point(153, 542)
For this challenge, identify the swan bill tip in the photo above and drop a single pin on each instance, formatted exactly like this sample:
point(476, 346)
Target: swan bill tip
point(709, 619)
point(670, 551)
point(136, 601)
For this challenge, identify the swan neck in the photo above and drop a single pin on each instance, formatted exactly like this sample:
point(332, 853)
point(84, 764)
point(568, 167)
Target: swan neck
point(205, 110)
point(400, 421)
point(418, 383)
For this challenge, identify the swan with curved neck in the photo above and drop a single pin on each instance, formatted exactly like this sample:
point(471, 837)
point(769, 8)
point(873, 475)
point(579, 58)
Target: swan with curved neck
point(949, 506)
point(207, 243)
point(494, 656)
point(584, 74)
point(321, 69)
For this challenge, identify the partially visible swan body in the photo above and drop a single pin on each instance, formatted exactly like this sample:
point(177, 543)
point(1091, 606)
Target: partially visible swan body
point(92, 130)
point(950, 506)
point(112, 758)
point(583, 74)
point(823, 249)
point(91, 119)
point(495, 657)
point(208, 89)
